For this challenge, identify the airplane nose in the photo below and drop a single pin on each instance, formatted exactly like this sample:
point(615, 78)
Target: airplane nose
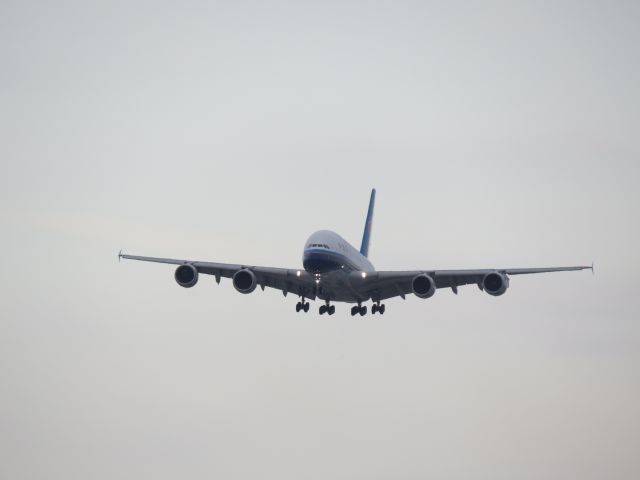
point(319, 262)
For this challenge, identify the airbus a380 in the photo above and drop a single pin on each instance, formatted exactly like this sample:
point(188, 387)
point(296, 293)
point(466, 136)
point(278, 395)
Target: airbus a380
point(334, 271)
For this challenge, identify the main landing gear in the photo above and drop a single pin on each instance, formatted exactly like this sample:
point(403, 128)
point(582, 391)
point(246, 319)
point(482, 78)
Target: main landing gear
point(330, 309)
point(377, 308)
point(361, 309)
point(302, 306)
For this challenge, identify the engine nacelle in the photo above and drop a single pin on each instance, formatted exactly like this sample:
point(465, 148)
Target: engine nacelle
point(245, 281)
point(186, 276)
point(495, 283)
point(423, 286)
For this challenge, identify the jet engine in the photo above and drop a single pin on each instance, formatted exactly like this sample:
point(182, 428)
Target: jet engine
point(495, 283)
point(245, 281)
point(423, 286)
point(186, 276)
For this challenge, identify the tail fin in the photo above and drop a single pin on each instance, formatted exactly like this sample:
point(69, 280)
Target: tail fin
point(366, 236)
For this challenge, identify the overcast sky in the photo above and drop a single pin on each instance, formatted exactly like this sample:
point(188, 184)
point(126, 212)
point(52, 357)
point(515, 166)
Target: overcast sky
point(498, 134)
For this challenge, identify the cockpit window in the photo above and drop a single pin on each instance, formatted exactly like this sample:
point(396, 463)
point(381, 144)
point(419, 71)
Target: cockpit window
point(318, 245)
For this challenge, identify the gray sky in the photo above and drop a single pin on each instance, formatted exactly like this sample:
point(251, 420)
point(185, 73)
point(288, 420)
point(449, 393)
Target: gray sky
point(499, 134)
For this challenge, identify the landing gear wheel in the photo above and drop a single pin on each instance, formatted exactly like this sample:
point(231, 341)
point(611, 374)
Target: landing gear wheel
point(363, 310)
point(377, 308)
point(299, 307)
point(332, 309)
point(354, 310)
point(323, 309)
point(306, 307)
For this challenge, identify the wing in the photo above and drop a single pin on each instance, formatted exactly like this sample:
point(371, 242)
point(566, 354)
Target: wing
point(298, 282)
point(386, 284)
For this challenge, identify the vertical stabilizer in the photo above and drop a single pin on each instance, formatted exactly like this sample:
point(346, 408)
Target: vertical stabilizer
point(366, 236)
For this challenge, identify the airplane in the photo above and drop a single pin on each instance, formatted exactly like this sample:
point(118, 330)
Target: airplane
point(335, 271)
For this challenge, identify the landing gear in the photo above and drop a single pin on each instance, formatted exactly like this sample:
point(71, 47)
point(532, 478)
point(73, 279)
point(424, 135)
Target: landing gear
point(330, 309)
point(304, 306)
point(377, 308)
point(361, 309)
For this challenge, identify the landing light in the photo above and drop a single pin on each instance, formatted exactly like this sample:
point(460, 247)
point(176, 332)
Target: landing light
point(298, 273)
point(364, 274)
